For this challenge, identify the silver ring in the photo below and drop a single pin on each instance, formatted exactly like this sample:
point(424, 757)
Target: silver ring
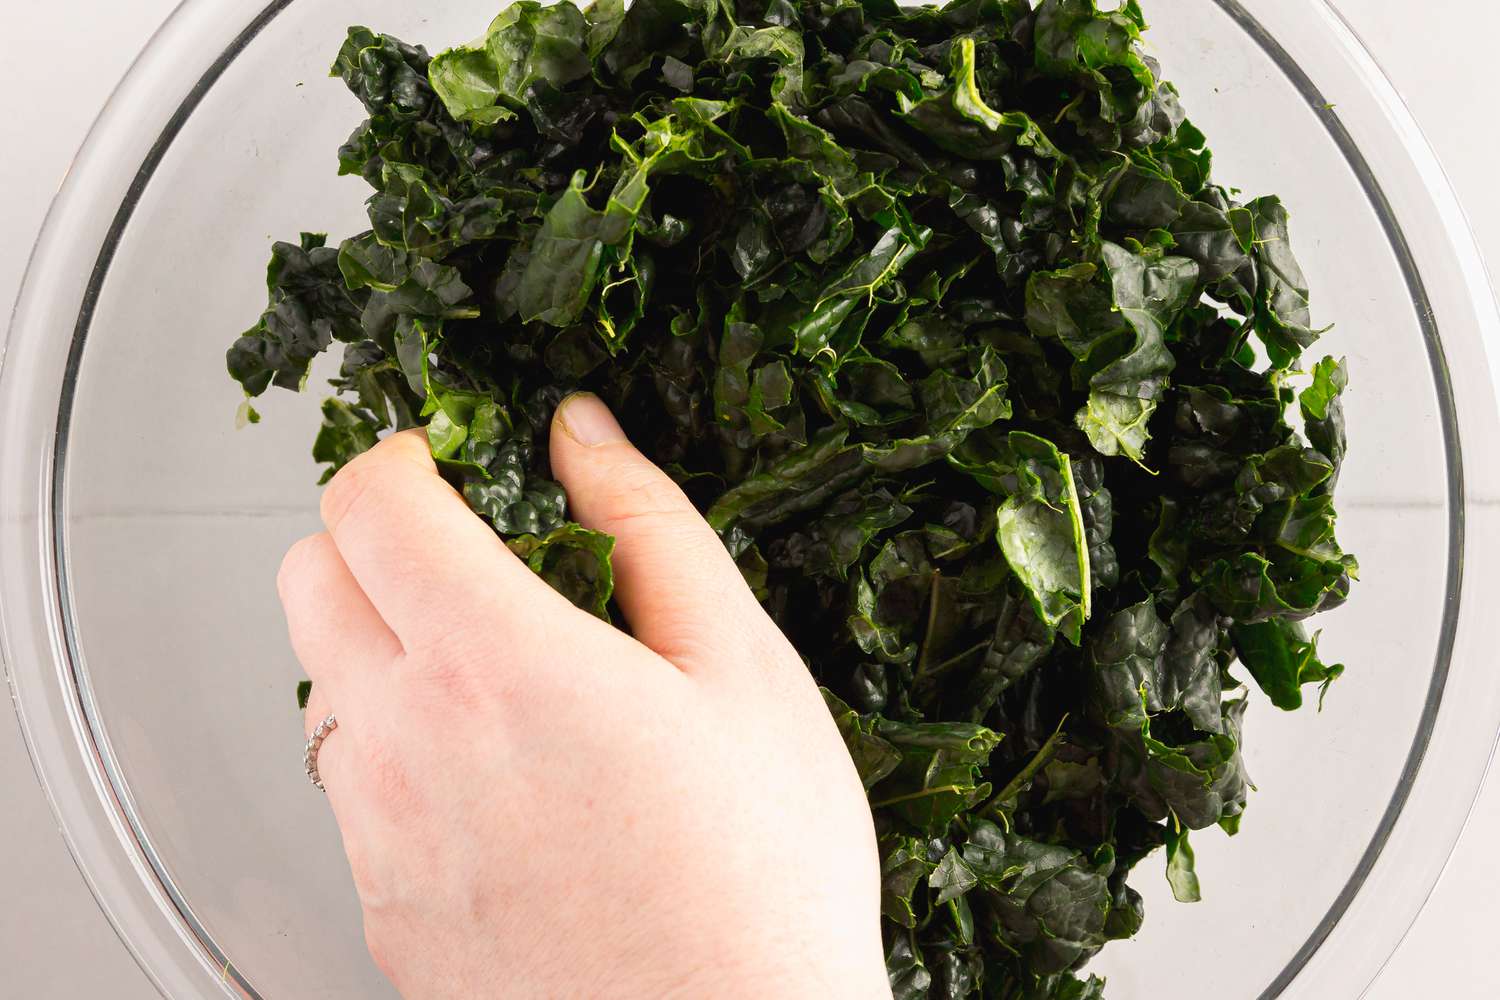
point(310, 751)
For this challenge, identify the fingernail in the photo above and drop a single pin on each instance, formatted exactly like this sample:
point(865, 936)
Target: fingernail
point(588, 421)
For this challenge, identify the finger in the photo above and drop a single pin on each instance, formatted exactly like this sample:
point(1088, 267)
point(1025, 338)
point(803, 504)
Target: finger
point(335, 630)
point(676, 583)
point(425, 561)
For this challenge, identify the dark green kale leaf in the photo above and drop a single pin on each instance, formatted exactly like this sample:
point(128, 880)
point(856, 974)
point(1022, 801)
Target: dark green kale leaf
point(941, 318)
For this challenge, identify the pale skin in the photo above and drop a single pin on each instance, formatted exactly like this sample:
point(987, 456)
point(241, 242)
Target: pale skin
point(537, 804)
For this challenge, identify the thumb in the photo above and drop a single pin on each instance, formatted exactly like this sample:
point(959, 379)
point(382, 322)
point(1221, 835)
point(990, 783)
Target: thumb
point(676, 583)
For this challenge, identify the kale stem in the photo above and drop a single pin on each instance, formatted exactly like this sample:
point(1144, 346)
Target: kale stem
point(1038, 761)
point(924, 793)
point(932, 613)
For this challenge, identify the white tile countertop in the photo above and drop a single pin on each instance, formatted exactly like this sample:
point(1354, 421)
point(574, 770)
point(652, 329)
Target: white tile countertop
point(55, 943)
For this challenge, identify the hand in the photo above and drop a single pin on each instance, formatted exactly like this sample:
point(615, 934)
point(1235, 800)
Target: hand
point(534, 803)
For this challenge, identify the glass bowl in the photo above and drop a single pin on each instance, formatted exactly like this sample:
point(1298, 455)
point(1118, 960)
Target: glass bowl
point(140, 530)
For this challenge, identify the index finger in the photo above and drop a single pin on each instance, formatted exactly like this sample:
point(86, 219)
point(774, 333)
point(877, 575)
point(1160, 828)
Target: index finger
point(427, 562)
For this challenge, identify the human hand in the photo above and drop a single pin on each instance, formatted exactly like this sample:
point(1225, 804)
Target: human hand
point(535, 804)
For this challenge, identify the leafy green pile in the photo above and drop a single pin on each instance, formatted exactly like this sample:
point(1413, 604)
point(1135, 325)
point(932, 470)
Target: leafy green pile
point(938, 316)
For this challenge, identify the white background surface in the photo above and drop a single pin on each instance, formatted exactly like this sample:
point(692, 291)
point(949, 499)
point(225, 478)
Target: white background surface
point(53, 941)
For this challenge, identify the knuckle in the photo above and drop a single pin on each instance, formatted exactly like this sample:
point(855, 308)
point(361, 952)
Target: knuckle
point(368, 879)
point(384, 779)
point(645, 518)
point(641, 495)
point(451, 676)
point(349, 491)
point(304, 554)
point(379, 878)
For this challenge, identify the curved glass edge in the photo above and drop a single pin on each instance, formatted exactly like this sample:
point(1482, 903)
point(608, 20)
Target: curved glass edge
point(1375, 193)
point(68, 752)
point(166, 970)
point(229, 976)
point(1411, 850)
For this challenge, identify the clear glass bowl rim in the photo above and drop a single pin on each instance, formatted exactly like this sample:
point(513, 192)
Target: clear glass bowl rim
point(1446, 763)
